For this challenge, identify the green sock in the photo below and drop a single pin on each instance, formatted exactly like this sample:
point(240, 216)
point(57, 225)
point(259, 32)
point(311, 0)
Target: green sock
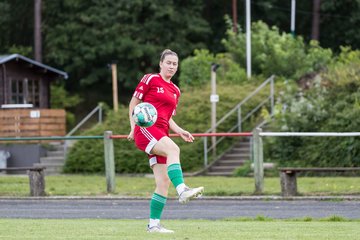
point(175, 174)
point(157, 204)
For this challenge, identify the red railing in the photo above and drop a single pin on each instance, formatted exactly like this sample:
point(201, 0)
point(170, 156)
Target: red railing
point(242, 134)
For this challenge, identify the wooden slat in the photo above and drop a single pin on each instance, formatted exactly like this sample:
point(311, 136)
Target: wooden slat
point(52, 133)
point(52, 120)
point(19, 123)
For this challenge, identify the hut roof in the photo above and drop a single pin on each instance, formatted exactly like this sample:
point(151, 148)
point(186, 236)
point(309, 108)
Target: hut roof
point(18, 57)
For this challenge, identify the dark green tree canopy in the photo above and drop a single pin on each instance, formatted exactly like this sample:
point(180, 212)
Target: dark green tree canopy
point(85, 37)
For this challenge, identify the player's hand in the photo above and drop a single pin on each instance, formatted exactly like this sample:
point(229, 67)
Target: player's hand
point(187, 136)
point(130, 137)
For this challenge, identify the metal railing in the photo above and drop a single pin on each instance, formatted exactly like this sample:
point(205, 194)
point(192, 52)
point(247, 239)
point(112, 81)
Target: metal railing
point(85, 119)
point(258, 151)
point(257, 134)
point(98, 109)
point(240, 119)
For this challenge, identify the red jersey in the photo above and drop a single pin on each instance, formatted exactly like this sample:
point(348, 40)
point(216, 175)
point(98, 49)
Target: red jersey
point(163, 95)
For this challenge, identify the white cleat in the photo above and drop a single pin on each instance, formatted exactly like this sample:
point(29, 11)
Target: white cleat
point(158, 229)
point(190, 193)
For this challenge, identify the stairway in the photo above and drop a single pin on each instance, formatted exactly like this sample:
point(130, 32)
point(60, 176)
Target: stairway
point(234, 158)
point(54, 159)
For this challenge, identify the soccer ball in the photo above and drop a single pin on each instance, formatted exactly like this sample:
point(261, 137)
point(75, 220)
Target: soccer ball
point(144, 114)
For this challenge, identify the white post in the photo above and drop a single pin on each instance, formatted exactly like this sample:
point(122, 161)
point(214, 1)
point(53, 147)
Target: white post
point(258, 161)
point(205, 152)
point(239, 119)
point(293, 7)
point(214, 98)
point(272, 93)
point(109, 162)
point(248, 39)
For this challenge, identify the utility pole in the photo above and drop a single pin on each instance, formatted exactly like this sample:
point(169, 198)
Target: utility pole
point(115, 87)
point(234, 13)
point(316, 20)
point(37, 31)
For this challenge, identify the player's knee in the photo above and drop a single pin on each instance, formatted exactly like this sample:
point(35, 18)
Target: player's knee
point(173, 150)
point(164, 183)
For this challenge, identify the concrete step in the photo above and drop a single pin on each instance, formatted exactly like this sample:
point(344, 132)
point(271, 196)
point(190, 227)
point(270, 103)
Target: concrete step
point(238, 150)
point(50, 160)
point(242, 145)
point(239, 155)
point(56, 146)
point(236, 157)
point(242, 148)
point(55, 154)
point(54, 159)
point(222, 169)
point(231, 162)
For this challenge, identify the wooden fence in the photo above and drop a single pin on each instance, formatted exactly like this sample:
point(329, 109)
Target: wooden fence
point(32, 122)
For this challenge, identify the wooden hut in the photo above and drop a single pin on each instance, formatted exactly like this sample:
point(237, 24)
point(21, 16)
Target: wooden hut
point(25, 98)
point(25, 110)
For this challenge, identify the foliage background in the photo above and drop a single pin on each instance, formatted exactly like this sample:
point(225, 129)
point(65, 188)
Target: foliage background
point(317, 82)
point(82, 37)
point(324, 98)
point(88, 155)
point(330, 104)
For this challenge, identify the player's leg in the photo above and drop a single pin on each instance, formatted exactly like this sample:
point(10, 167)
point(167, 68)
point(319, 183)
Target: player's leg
point(166, 147)
point(158, 200)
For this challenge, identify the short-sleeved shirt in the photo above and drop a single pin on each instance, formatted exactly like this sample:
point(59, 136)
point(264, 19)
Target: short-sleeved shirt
point(164, 96)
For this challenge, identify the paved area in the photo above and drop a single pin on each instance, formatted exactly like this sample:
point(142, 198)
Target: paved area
point(212, 208)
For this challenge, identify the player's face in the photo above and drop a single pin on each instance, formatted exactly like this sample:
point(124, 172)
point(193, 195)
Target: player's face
point(169, 66)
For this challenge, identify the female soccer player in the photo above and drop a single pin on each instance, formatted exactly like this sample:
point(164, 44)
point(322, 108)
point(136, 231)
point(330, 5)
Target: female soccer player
point(164, 154)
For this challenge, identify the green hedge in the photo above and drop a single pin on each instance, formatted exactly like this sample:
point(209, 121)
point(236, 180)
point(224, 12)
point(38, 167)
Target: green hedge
point(331, 104)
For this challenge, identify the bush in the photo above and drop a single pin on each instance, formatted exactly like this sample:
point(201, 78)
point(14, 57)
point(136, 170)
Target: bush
point(277, 53)
point(196, 70)
point(61, 99)
point(330, 105)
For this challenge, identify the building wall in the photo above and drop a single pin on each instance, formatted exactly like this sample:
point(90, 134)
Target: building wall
point(23, 155)
point(22, 70)
point(2, 84)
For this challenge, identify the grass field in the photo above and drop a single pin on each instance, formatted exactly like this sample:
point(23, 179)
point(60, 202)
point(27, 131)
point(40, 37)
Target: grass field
point(95, 185)
point(184, 229)
point(249, 229)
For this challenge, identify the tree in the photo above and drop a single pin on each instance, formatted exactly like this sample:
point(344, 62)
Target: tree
point(339, 20)
point(83, 38)
point(16, 27)
point(316, 20)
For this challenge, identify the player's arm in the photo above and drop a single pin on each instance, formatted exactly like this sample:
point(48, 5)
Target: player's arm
point(183, 133)
point(133, 102)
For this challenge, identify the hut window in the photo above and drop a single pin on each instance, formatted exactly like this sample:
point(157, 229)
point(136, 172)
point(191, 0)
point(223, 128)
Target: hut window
point(34, 90)
point(17, 95)
point(25, 91)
